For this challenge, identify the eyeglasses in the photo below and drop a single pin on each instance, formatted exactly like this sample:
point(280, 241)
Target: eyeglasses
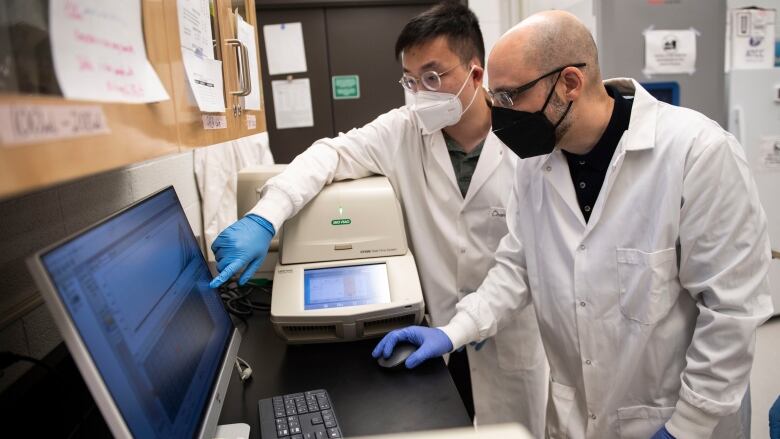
point(431, 80)
point(506, 98)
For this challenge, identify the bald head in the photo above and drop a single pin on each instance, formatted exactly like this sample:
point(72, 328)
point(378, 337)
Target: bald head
point(546, 41)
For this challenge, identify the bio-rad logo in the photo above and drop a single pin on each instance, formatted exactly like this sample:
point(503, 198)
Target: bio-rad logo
point(340, 221)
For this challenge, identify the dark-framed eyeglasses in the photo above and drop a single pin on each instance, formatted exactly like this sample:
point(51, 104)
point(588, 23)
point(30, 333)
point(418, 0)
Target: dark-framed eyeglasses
point(506, 98)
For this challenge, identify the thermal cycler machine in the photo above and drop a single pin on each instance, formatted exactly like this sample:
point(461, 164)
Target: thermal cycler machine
point(345, 271)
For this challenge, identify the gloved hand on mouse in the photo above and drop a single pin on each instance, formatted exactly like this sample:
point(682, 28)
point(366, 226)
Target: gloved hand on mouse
point(431, 342)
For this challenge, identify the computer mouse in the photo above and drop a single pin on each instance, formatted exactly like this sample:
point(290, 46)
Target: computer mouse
point(400, 353)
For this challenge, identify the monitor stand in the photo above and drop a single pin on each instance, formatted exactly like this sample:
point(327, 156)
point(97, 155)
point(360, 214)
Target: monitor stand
point(232, 431)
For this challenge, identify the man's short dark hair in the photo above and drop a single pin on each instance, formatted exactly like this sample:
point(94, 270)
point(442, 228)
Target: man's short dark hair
point(450, 19)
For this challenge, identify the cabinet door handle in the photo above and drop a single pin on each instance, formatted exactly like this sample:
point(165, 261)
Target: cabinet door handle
point(243, 67)
point(247, 71)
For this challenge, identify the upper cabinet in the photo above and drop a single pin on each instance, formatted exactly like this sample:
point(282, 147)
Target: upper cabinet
point(91, 49)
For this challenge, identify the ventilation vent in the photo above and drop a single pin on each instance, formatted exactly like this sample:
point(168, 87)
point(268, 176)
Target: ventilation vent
point(300, 332)
point(382, 326)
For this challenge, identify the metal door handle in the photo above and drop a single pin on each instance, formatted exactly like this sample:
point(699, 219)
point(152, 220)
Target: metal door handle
point(247, 71)
point(242, 57)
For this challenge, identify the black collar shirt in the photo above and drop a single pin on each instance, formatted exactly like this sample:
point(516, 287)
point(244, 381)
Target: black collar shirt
point(589, 170)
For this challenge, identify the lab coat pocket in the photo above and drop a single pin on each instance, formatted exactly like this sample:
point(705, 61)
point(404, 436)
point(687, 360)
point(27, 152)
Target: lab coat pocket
point(518, 345)
point(497, 223)
point(642, 421)
point(645, 283)
point(559, 410)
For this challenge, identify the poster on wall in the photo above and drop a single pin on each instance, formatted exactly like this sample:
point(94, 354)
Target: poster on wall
point(670, 52)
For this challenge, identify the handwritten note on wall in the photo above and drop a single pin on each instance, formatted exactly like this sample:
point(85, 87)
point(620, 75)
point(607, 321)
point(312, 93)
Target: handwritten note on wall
point(99, 53)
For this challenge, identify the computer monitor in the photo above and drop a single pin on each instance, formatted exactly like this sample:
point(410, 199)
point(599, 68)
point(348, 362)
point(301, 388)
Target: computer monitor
point(153, 342)
point(668, 92)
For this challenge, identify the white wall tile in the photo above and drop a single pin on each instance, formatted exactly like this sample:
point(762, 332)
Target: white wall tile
point(176, 170)
point(87, 201)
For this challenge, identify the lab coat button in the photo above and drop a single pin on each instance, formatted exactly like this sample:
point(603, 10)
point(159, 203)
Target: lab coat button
point(548, 169)
point(582, 247)
point(582, 304)
point(463, 250)
point(592, 416)
point(588, 362)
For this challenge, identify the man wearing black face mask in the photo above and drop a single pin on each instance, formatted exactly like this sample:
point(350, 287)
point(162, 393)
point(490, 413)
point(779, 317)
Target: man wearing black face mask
point(636, 232)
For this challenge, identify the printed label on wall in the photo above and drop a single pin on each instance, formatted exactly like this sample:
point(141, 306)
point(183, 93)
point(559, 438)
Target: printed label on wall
point(28, 123)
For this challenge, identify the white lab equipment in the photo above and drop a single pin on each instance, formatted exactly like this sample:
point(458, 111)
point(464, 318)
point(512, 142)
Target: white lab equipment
point(345, 271)
point(250, 180)
point(753, 118)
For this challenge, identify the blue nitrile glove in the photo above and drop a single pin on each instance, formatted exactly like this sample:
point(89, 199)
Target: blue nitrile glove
point(243, 244)
point(431, 342)
point(663, 433)
point(774, 420)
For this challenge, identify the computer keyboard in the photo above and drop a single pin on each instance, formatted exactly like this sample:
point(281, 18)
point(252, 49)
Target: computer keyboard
point(306, 415)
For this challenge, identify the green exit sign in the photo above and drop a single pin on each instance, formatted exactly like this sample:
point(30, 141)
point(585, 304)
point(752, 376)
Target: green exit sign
point(346, 87)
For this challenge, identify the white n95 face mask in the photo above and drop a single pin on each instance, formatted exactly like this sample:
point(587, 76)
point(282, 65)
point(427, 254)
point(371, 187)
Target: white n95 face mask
point(437, 110)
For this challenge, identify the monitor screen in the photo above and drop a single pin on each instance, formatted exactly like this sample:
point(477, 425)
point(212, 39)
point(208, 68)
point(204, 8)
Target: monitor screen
point(136, 289)
point(339, 287)
point(668, 92)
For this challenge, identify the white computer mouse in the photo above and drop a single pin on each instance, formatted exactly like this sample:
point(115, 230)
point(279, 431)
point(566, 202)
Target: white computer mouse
point(400, 353)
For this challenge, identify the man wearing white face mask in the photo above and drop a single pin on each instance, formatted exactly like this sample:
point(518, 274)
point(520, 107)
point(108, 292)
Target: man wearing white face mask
point(452, 177)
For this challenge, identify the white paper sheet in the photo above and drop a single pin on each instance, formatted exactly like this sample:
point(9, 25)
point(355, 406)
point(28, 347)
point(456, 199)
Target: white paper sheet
point(292, 103)
point(195, 27)
point(246, 34)
point(670, 51)
point(204, 73)
point(284, 48)
point(750, 39)
point(205, 78)
point(99, 53)
point(768, 157)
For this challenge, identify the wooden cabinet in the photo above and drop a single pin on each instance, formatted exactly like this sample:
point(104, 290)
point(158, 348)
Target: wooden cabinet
point(251, 121)
point(135, 132)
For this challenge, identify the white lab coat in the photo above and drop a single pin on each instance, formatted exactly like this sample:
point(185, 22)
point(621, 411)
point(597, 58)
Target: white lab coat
point(649, 310)
point(453, 241)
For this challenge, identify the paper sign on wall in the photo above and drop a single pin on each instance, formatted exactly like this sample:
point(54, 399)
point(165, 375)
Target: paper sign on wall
point(769, 155)
point(292, 103)
point(99, 53)
point(670, 51)
point(284, 48)
point(750, 39)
